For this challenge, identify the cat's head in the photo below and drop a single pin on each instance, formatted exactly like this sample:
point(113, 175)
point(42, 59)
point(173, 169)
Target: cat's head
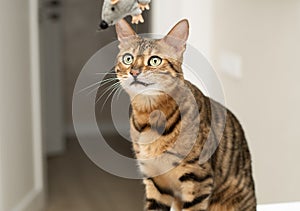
point(150, 66)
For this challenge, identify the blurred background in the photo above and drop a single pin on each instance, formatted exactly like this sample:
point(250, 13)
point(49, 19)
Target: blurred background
point(252, 45)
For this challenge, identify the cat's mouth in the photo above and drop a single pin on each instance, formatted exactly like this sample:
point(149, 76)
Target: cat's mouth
point(136, 82)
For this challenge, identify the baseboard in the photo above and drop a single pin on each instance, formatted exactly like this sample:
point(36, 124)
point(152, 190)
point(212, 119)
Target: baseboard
point(33, 201)
point(292, 206)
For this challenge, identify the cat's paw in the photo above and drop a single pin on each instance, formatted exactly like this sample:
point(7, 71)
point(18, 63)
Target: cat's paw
point(137, 18)
point(144, 6)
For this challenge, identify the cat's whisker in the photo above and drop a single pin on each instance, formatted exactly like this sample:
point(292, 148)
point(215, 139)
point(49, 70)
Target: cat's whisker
point(94, 84)
point(96, 88)
point(109, 79)
point(112, 91)
point(90, 86)
point(99, 87)
point(106, 90)
point(120, 91)
point(105, 83)
point(105, 73)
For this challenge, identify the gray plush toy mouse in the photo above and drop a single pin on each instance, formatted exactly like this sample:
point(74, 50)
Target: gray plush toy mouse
point(114, 10)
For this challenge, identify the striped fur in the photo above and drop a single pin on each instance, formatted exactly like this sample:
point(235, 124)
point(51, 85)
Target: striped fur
point(162, 113)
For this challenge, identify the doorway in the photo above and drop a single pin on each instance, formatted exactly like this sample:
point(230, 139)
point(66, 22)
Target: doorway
point(69, 37)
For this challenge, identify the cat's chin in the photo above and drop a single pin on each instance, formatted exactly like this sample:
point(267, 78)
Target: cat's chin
point(143, 91)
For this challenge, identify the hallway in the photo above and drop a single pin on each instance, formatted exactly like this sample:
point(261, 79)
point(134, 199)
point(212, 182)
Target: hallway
point(77, 184)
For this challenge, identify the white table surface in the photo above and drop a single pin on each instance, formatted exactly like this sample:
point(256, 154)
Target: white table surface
point(293, 206)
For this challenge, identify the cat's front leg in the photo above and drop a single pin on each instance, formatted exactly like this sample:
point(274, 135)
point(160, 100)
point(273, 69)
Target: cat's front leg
point(155, 199)
point(196, 191)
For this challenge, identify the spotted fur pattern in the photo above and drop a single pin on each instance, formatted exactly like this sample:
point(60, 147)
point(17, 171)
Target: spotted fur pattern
point(171, 123)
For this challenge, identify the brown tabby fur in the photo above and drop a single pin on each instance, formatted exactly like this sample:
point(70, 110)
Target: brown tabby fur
point(173, 177)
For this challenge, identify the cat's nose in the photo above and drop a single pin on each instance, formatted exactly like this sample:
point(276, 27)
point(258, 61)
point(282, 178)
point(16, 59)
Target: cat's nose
point(135, 73)
point(103, 25)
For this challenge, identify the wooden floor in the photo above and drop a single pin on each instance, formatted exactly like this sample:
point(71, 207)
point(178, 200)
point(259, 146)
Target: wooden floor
point(76, 184)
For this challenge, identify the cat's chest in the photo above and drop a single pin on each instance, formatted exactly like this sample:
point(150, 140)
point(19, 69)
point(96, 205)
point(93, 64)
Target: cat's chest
point(153, 158)
point(152, 168)
point(164, 176)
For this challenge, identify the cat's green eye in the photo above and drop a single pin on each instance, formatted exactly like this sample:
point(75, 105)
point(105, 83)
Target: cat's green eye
point(154, 61)
point(127, 59)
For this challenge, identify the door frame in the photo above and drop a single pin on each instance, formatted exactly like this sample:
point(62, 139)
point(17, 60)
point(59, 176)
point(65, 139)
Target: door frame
point(34, 200)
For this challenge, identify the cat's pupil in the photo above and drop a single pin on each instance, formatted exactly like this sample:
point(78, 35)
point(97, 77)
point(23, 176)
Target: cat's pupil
point(113, 9)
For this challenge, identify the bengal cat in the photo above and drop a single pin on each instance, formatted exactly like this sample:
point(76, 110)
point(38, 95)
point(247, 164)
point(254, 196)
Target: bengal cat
point(169, 129)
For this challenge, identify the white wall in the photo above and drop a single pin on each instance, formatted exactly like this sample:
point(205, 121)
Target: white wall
point(265, 36)
point(199, 13)
point(21, 177)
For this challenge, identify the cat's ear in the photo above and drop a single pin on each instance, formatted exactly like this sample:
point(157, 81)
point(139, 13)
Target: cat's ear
point(124, 30)
point(178, 35)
